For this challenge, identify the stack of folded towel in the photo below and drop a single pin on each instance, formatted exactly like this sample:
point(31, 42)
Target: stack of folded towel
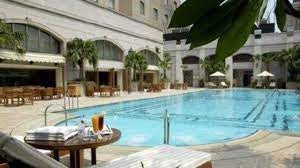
point(52, 133)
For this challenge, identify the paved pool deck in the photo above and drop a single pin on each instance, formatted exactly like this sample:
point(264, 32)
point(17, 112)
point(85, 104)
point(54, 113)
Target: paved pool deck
point(261, 150)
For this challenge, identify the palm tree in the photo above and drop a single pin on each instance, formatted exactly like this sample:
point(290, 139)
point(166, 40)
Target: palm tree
point(211, 65)
point(142, 65)
point(10, 39)
point(267, 59)
point(292, 57)
point(165, 64)
point(131, 62)
point(80, 51)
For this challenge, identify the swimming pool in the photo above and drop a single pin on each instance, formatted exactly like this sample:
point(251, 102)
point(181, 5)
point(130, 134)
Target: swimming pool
point(204, 117)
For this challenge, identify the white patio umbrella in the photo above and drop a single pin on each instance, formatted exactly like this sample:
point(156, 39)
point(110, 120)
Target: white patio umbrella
point(265, 74)
point(217, 74)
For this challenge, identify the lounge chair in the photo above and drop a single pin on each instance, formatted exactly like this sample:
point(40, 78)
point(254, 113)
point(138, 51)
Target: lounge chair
point(272, 85)
point(211, 85)
point(259, 85)
point(18, 154)
point(162, 156)
point(224, 85)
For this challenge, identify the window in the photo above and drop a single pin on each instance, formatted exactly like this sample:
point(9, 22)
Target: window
point(166, 19)
point(142, 8)
point(151, 57)
point(155, 14)
point(108, 51)
point(32, 39)
point(111, 4)
point(175, 4)
point(166, 2)
point(37, 40)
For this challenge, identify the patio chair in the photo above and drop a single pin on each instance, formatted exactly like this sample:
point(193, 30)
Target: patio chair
point(185, 86)
point(224, 85)
point(272, 85)
point(162, 156)
point(27, 96)
point(18, 154)
point(47, 93)
point(2, 98)
point(259, 84)
point(116, 91)
point(90, 90)
point(211, 85)
point(58, 92)
point(105, 91)
point(12, 97)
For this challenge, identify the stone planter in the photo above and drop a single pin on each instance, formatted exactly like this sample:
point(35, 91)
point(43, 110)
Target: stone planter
point(134, 86)
point(292, 85)
point(167, 85)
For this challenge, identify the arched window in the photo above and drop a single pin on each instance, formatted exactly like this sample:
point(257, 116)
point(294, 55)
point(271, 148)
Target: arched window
point(243, 58)
point(142, 8)
point(37, 40)
point(107, 50)
point(151, 57)
point(190, 60)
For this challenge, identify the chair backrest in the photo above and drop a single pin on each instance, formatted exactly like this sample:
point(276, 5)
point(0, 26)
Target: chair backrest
point(15, 151)
point(259, 83)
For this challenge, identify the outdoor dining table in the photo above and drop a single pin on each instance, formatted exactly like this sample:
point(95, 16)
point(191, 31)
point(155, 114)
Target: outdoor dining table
point(75, 146)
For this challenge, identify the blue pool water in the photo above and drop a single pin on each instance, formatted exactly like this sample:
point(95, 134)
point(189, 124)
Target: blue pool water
point(205, 117)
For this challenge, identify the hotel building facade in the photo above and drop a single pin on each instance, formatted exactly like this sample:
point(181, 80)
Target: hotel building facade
point(117, 27)
point(242, 66)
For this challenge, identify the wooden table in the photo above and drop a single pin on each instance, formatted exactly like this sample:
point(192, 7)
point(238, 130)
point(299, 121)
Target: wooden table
point(75, 146)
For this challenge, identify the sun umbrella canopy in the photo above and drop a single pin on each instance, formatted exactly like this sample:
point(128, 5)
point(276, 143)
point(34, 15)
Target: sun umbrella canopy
point(217, 74)
point(265, 74)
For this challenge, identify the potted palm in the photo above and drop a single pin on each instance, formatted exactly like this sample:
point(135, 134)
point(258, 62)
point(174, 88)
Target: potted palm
point(80, 51)
point(164, 64)
point(136, 62)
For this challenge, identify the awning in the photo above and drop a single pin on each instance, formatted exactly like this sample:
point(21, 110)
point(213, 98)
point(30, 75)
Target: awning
point(152, 68)
point(32, 57)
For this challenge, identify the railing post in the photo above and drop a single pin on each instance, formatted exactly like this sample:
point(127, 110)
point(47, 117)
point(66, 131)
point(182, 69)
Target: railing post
point(166, 127)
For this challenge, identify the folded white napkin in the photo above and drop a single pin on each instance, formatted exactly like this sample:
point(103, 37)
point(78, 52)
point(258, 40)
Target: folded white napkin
point(55, 133)
point(106, 130)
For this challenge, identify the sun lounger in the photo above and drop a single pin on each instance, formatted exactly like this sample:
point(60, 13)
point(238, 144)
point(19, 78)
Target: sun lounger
point(259, 85)
point(211, 85)
point(224, 85)
point(19, 154)
point(164, 156)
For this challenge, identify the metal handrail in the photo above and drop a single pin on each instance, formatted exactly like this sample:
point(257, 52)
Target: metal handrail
point(166, 127)
point(51, 105)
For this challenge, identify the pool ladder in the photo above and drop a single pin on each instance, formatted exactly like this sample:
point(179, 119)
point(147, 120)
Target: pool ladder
point(58, 105)
point(166, 119)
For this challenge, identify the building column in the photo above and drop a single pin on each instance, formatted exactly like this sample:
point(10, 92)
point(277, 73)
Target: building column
point(258, 65)
point(120, 80)
point(178, 69)
point(59, 77)
point(229, 72)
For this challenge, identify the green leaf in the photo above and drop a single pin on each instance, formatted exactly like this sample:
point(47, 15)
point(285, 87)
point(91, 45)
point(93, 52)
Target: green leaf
point(187, 13)
point(237, 35)
point(280, 14)
point(211, 26)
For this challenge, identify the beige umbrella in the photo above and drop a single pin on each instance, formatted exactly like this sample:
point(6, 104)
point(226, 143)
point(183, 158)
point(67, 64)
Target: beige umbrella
point(217, 74)
point(265, 74)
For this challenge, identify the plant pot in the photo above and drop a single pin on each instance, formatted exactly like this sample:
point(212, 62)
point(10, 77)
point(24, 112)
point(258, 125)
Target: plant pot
point(292, 85)
point(167, 85)
point(134, 86)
